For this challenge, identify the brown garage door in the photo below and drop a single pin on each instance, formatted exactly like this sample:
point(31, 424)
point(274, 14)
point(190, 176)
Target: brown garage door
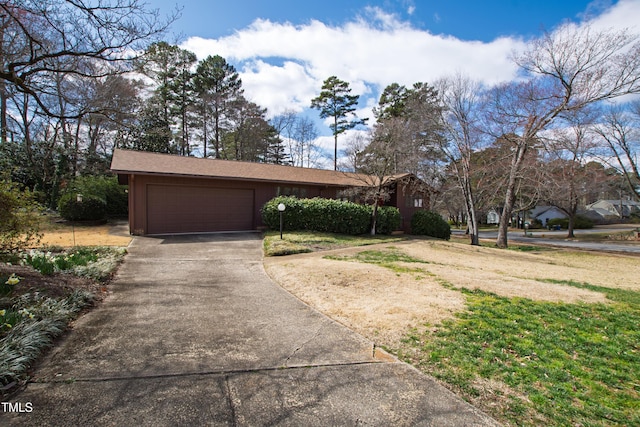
point(190, 209)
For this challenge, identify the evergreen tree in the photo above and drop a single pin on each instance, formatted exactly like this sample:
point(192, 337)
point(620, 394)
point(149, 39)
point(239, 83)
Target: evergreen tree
point(336, 102)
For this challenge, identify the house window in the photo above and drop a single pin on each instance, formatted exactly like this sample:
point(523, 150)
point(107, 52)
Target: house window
point(292, 191)
point(414, 202)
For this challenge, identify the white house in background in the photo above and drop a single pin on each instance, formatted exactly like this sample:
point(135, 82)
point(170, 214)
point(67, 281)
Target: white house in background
point(546, 213)
point(493, 217)
point(613, 208)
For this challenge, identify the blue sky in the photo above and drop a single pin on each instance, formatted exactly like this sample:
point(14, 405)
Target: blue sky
point(285, 49)
point(464, 19)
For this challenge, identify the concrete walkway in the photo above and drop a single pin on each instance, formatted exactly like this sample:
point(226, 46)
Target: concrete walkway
point(195, 333)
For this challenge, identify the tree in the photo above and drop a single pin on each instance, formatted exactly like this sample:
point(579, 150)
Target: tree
point(19, 218)
point(620, 132)
point(298, 133)
point(182, 94)
point(336, 102)
point(461, 121)
point(217, 84)
point(374, 164)
point(248, 134)
point(168, 66)
point(44, 42)
point(153, 132)
point(567, 178)
point(566, 70)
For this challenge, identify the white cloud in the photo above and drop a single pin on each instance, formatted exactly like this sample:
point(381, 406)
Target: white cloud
point(283, 65)
point(625, 14)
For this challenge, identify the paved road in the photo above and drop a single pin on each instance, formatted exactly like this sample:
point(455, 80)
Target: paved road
point(195, 333)
point(541, 237)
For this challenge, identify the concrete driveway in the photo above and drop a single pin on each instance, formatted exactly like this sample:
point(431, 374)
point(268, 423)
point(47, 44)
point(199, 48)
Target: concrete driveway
point(195, 333)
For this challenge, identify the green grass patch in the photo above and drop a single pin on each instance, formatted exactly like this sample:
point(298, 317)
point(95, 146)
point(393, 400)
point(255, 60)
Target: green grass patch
point(307, 241)
point(558, 364)
point(389, 258)
point(614, 294)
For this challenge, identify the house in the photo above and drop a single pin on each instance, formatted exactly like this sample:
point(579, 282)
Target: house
point(607, 209)
point(170, 194)
point(493, 217)
point(545, 213)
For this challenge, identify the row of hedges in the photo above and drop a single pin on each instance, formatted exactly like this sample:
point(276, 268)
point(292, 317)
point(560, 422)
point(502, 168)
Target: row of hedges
point(335, 216)
point(328, 215)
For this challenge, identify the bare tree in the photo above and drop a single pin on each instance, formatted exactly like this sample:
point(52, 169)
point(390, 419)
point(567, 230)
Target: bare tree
point(71, 39)
point(567, 175)
point(567, 70)
point(461, 98)
point(620, 131)
point(375, 164)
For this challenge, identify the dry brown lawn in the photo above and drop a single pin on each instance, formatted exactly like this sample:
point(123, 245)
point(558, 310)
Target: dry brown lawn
point(98, 235)
point(384, 305)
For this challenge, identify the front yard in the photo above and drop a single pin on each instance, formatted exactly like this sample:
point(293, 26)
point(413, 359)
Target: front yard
point(530, 335)
point(538, 336)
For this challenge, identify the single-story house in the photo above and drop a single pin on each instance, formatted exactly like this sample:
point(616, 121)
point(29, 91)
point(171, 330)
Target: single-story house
point(170, 194)
point(613, 208)
point(545, 213)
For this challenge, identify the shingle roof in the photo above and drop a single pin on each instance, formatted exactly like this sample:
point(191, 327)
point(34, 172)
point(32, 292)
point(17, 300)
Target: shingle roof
point(148, 163)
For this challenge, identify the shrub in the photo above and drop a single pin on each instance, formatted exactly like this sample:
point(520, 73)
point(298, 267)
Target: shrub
point(104, 188)
point(388, 220)
point(89, 208)
point(428, 223)
point(327, 215)
point(580, 222)
point(19, 218)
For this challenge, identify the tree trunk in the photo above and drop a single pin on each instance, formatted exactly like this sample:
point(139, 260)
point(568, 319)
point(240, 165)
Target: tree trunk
point(469, 203)
point(374, 218)
point(335, 138)
point(510, 195)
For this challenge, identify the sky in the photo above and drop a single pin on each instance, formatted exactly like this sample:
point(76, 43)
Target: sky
point(284, 49)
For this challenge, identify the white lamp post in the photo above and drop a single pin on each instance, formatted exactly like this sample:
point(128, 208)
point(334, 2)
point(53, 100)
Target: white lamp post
point(281, 208)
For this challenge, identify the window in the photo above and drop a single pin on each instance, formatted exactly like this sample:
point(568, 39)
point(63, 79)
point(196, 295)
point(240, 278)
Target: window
point(292, 191)
point(414, 202)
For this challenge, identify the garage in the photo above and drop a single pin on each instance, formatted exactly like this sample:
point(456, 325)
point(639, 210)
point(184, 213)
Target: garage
point(191, 209)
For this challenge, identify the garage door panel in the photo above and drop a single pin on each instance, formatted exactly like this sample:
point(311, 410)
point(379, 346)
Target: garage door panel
point(190, 209)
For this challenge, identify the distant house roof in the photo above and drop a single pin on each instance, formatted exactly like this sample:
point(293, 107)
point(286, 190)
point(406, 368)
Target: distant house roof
point(148, 163)
point(613, 206)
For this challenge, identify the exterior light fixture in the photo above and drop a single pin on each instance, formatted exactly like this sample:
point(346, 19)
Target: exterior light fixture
point(281, 209)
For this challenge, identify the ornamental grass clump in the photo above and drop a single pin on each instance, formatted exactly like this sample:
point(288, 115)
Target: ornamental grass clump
point(30, 326)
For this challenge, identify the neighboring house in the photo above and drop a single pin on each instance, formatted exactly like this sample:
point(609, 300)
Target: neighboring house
point(170, 194)
point(606, 209)
point(546, 213)
point(493, 217)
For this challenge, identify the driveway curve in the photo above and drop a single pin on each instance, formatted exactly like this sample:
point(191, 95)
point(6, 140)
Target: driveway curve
point(195, 333)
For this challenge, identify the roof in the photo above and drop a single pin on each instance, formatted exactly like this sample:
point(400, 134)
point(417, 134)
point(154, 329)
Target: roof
point(148, 163)
point(539, 211)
